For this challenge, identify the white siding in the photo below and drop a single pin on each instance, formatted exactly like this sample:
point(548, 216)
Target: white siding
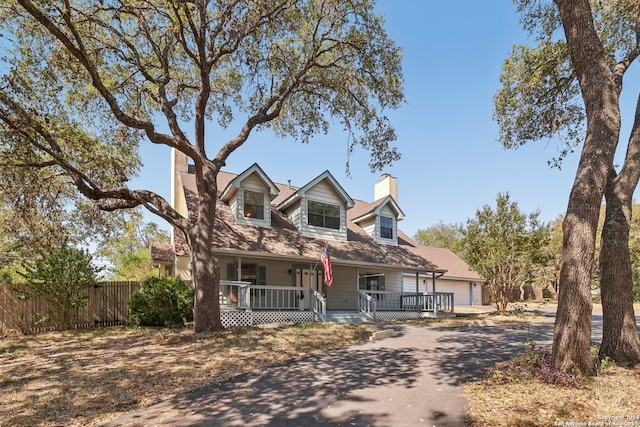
point(392, 281)
point(460, 288)
point(323, 192)
point(295, 215)
point(369, 226)
point(409, 283)
point(183, 268)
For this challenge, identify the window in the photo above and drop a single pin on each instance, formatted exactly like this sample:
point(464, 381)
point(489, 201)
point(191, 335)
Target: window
point(372, 282)
point(254, 273)
point(386, 227)
point(324, 215)
point(253, 204)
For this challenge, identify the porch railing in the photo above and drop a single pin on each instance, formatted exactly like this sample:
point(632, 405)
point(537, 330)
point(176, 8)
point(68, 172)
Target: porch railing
point(371, 301)
point(244, 296)
point(367, 305)
point(319, 306)
point(234, 295)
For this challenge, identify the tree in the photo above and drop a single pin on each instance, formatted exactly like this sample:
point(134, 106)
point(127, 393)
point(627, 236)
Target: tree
point(441, 235)
point(38, 211)
point(551, 91)
point(89, 79)
point(502, 245)
point(127, 247)
point(62, 277)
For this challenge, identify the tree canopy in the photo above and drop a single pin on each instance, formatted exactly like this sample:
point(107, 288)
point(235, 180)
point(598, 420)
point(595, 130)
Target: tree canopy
point(441, 235)
point(567, 87)
point(503, 244)
point(86, 82)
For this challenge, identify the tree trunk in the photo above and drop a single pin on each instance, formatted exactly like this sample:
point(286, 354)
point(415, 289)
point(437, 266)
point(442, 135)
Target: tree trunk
point(620, 334)
point(620, 340)
point(600, 92)
point(205, 270)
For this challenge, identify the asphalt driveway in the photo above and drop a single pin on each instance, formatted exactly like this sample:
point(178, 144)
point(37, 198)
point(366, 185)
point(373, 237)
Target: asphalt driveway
point(414, 378)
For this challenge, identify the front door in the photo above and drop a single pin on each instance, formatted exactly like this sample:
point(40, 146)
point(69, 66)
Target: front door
point(306, 279)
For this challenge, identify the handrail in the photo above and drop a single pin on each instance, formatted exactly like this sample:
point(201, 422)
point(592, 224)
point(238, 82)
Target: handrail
point(234, 294)
point(367, 305)
point(319, 306)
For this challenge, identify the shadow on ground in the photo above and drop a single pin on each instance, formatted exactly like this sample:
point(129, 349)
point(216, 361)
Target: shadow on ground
point(424, 365)
point(301, 392)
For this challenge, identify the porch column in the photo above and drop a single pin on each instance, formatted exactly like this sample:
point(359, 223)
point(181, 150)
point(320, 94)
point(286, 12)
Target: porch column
point(433, 278)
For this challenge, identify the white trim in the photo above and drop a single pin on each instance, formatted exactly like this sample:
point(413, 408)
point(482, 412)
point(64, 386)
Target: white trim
point(300, 193)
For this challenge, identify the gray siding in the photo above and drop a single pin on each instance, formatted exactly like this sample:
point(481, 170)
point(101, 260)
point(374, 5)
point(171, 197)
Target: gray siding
point(343, 295)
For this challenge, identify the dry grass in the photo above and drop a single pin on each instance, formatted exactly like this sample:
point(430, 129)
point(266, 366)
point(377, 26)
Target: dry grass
point(612, 397)
point(79, 377)
point(475, 318)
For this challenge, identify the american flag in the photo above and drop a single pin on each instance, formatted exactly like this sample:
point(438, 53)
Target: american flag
point(326, 264)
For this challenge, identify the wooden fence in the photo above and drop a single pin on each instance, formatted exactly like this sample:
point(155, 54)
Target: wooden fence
point(106, 306)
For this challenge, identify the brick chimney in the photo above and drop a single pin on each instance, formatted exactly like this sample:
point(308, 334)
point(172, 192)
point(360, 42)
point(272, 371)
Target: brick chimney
point(387, 186)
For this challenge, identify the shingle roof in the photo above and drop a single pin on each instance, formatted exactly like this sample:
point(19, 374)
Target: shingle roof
point(282, 239)
point(456, 267)
point(162, 253)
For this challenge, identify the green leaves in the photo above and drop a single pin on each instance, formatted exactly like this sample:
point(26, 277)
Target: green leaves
point(61, 276)
point(503, 244)
point(162, 301)
point(539, 98)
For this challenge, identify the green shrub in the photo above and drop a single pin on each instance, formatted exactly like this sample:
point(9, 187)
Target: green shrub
point(62, 277)
point(161, 302)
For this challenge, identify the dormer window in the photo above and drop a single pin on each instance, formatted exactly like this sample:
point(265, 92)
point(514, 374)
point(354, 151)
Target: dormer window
point(253, 204)
point(386, 227)
point(324, 215)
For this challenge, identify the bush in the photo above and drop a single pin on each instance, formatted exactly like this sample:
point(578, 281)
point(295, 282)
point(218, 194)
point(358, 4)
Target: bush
point(161, 301)
point(62, 277)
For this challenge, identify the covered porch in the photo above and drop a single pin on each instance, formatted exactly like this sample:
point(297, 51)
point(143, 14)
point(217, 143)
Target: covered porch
point(243, 303)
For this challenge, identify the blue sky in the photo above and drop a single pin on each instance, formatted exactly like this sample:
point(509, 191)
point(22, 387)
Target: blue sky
point(452, 163)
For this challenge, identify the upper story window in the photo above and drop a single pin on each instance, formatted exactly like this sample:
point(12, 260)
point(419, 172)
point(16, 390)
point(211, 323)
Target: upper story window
point(253, 204)
point(324, 215)
point(386, 227)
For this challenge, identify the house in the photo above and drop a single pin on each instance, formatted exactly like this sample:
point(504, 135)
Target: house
point(465, 284)
point(269, 238)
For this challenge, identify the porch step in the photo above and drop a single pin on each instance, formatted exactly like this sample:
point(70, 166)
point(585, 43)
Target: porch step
point(344, 317)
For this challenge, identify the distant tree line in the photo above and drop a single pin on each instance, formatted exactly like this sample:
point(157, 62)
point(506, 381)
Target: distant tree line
point(511, 248)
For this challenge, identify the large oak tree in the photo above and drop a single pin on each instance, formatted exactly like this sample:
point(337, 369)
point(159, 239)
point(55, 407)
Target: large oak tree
point(87, 80)
point(551, 91)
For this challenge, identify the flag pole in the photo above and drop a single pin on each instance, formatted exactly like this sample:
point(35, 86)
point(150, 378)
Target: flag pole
point(318, 259)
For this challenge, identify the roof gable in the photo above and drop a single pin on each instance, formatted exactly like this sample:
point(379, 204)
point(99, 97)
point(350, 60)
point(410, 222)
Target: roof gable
point(235, 183)
point(368, 210)
point(301, 192)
